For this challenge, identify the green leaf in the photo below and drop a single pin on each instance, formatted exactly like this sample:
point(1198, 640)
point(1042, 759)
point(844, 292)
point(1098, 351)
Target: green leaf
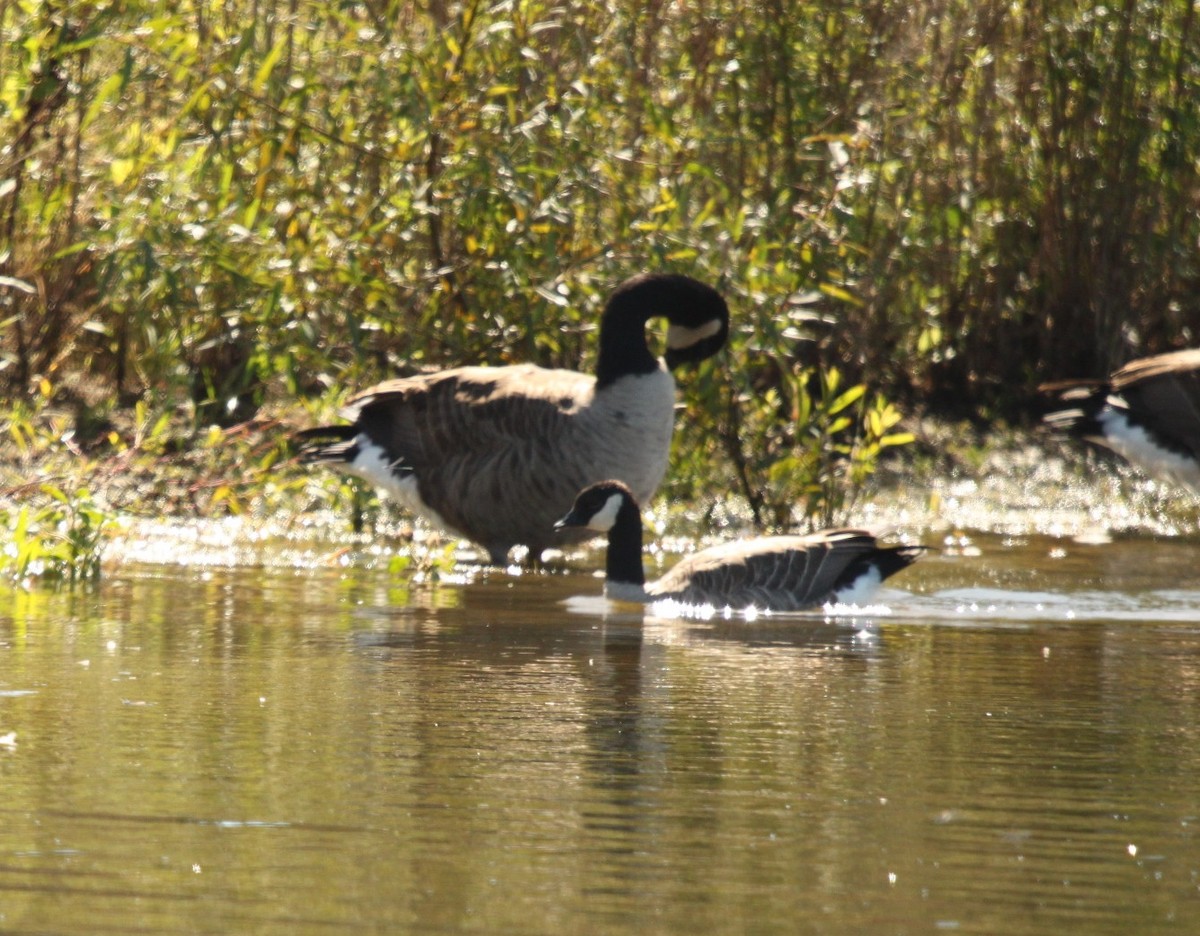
point(850, 397)
point(121, 169)
point(837, 292)
point(263, 75)
point(72, 249)
point(250, 215)
point(111, 86)
point(57, 493)
point(200, 93)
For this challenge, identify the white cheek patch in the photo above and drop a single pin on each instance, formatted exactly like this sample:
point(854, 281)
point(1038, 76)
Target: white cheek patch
point(680, 336)
point(861, 589)
point(1135, 444)
point(603, 519)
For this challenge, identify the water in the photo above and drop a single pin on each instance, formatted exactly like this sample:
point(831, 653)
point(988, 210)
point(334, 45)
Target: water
point(1010, 744)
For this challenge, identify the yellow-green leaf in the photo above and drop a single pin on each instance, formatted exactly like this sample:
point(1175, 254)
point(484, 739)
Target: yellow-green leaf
point(264, 70)
point(851, 396)
point(104, 93)
point(55, 492)
point(836, 292)
point(120, 170)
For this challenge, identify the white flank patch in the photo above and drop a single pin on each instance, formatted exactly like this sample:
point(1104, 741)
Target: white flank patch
point(680, 336)
point(861, 589)
point(1134, 444)
point(603, 519)
point(372, 465)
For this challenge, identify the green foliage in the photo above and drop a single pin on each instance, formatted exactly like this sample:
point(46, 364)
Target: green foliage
point(1026, 197)
point(58, 542)
point(209, 207)
point(46, 533)
point(425, 566)
point(808, 446)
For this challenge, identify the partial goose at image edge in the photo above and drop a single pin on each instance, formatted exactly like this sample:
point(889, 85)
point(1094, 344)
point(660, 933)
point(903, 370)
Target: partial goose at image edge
point(1147, 412)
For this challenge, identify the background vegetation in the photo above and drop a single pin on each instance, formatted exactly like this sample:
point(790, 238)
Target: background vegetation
point(216, 209)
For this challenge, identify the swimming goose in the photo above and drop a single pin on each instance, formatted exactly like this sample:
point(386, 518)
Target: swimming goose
point(777, 573)
point(1148, 412)
point(495, 454)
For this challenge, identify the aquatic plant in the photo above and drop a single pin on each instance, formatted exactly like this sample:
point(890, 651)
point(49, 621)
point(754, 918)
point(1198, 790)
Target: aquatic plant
point(60, 541)
point(805, 455)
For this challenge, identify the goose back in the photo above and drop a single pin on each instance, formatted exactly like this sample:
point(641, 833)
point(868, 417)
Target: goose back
point(778, 573)
point(783, 573)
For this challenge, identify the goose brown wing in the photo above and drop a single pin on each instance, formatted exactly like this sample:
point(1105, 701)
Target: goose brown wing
point(785, 573)
point(468, 411)
point(1163, 393)
point(486, 445)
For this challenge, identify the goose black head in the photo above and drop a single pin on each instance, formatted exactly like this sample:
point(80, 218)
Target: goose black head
point(698, 324)
point(597, 506)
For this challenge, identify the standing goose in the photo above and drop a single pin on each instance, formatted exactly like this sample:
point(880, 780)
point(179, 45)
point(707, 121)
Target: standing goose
point(495, 454)
point(777, 573)
point(1148, 412)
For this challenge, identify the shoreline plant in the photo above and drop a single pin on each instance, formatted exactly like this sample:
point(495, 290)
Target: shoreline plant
point(222, 214)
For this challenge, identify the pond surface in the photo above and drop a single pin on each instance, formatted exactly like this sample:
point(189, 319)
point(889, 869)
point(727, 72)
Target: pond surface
point(1010, 745)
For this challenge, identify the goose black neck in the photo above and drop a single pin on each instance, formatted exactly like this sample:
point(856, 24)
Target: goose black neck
point(681, 299)
point(624, 560)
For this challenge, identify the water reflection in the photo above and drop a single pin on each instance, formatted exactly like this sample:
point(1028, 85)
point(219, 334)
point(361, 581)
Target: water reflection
point(292, 750)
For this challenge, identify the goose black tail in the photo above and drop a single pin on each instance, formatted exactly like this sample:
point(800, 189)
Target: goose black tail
point(1073, 408)
point(326, 444)
point(891, 559)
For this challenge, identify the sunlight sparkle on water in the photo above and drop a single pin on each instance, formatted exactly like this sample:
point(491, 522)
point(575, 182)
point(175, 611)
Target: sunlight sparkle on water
point(839, 610)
